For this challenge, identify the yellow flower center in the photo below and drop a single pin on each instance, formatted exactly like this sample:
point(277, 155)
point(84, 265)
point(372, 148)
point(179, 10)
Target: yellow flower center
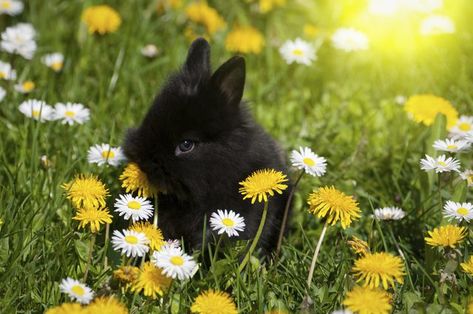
point(70, 114)
point(309, 162)
point(177, 260)
point(35, 113)
point(298, 52)
point(452, 146)
point(134, 205)
point(28, 86)
point(462, 211)
point(228, 222)
point(56, 66)
point(6, 5)
point(2, 75)
point(78, 290)
point(441, 163)
point(464, 126)
point(108, 154)
point(131, 239)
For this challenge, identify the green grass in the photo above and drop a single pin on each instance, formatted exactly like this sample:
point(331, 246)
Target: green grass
point(342, 106)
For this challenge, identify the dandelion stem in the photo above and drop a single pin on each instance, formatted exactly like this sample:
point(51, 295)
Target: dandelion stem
point(286, 212)
point(89, 258)
point(316, 255)
point(107, 235)
point(255, 240)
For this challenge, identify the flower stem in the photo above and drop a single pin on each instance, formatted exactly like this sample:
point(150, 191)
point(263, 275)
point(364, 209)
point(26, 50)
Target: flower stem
point(89, 258)
point(214, 259)
point(316, 255)
point(255, 240)
point(286, 212)
point(107, 235)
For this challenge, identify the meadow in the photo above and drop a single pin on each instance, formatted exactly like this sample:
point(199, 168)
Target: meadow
point(356, 103)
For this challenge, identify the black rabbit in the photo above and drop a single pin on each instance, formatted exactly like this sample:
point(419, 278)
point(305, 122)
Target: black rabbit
point(197, 142)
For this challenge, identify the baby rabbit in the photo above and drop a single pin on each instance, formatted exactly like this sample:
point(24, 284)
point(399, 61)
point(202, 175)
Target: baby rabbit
point(197, 142)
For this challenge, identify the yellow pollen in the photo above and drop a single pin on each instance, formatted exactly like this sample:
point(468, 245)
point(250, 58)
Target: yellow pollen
point(441, 163)
point(134, 205)
point(464, 126)
point(228, 222)
point(108, 154)
point(177, 260)
point(462, 211)
point(452, 146)
point(6, 4)
point(35, 113)
point(28, 86)
point(70, 114)
point(309, 162)
point(131, 239)
point(56, 66)
point(78, 290)
point(298, 52)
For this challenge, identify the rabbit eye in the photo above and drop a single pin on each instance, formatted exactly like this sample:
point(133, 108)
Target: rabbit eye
point(185, 146)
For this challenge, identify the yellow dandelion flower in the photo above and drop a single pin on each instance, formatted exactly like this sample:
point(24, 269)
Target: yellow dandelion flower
point(151, 280)
point(101, 19)
point(126, 274)
point(93, 216)
point(359, 246)
point(154, 234)
point(106, 305)
point(244, 39)
point(364, 300)
point(201, 13)
point(468, 266)
point(379, 268)
point(262, 182)
point(135, 180)
point(210, 302)
point(86, 191)
point(66, 308)
point(446, 236)
point(330, 203)
point(267, 5)
point(424, 109)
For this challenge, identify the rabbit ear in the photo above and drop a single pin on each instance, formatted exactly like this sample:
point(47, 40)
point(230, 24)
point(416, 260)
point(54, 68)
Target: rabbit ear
point(230, 79)
point(197, 64)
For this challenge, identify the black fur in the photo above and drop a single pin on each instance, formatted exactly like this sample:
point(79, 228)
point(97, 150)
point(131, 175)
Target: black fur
point(196, 105)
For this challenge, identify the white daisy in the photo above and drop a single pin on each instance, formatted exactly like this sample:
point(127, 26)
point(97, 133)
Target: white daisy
point(468, 176)
point(130, 243)
point(25, 87)
point(70, 113)
point(6, 71)
point(173, 243)
point(37, 109)
point(105, 154)
point(389, 213)
point(458, 211)
point(349, 39)
point(227, 221)
point(463, 126)
point(437, 24)
point(298, 51)
point(54, 61)
point(469, 137)
point(138, 208)
point(440, 164)
point(11, 7)
point(449, 145)
point(308, 161)
point(19, 39)
point(3, 93)
point(150, 51)
point(174, 262)
point(76, 290)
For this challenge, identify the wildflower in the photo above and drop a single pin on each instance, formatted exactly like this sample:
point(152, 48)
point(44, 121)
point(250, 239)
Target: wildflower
point(130, 243)
point(210, 302)
point(37, 110)
point(101, 154)
point(66, 308)
point(174, 262)
point(458, 211)
point(267, 5)
point(298, 51)
point(468, 266)
point(136, 208)
point(154, 234)
point(6, 71)
point(199, 12)
point(446, 236)
point(135, 180)
point(151, 280)
point(359, 246)
point(244, 39)
point(365, 300)
point(310, 30)
point(70, 113)
point(462, 127)
point(101, 19)
point(126, 274)
point(86, 191)
point(227, 221)
point(330, 203)
point(54, 61)
point(468, 176)
point(262, 182)
point(19, 39)
point(25, 87)
point(449, 145)
point(437, 24)
point(76, 290)
point(440, 164)
point(349, 39)
point(11, 7)
point(107, 305)
point(306, 160)
point(379, 268)
point(389, 213)
point(424, 109)
point(150, 51)
point(93, 216)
